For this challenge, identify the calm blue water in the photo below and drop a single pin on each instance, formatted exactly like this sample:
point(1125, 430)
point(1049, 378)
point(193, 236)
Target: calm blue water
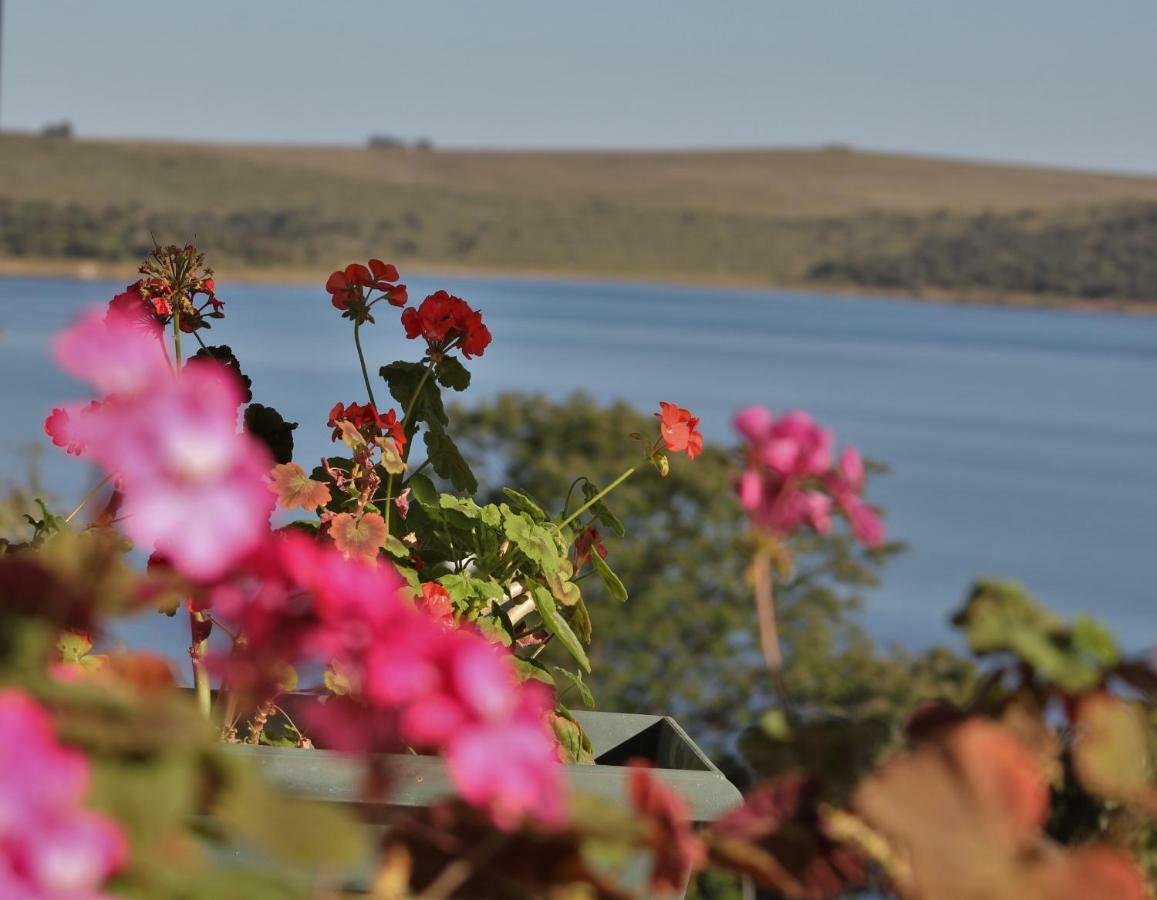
point(1023, 442)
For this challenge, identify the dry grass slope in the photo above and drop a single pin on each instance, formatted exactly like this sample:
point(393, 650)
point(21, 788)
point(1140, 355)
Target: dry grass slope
point(799, 217)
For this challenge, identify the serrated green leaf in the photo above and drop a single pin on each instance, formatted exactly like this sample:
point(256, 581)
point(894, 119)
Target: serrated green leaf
point(571, 737)
point(494, 630)
point(612, 581)
point(527, 505)
point(535, 542)
point(452, 374)
point(558, 626)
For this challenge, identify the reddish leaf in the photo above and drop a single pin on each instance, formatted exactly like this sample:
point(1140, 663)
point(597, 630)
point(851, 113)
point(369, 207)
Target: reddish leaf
point(358, 538)
point(296, 489)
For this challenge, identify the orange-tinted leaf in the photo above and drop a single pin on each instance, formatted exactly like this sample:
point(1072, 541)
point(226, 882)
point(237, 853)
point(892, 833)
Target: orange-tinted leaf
point(965, 810)
point(296, 489)
point(358, 538)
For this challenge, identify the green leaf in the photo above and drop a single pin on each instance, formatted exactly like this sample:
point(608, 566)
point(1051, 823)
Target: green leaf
point(571, 737)
point(614, 585)
point(452, 374)
point(403, 379)
point(423, 491)
point(1113, 753)
point(529, 669)
point(1000, 616)
point(73, 645)
point(527, 505)
point(575, 680)
point(494, 629)
point(266, 424)
point(1093, 639)
point(558, 626)
point(448, 462)
point(488, 514)
point(600, 510)
point(536, 543)
point(469, 592)
point(396, 548)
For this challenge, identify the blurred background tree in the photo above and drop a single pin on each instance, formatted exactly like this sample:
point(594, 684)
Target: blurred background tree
point(685, 642)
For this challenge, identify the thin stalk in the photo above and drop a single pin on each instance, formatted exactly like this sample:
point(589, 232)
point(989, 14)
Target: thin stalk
point(597, 497)
point(201, 682)
point(764, 583)
point(86, 498)
point(409, 432)
point(362, 360)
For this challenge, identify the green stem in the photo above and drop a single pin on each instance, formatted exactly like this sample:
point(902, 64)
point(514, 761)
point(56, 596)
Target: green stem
point(362, 360)
point(87, 497)
point(597, 497)
point(177, 332)
point(409, 432)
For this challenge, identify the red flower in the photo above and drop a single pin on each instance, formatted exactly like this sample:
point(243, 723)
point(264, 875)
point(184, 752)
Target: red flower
point(385, 278)
point(349, 288)
point(447, 322)
point(346, 286)
point(367, 420)
point(60, 427)
point(588, 538)
point(679, 430)
point(436, 601)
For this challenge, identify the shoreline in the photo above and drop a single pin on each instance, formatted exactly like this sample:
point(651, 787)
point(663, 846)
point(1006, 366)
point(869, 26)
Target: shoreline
point(91, 270)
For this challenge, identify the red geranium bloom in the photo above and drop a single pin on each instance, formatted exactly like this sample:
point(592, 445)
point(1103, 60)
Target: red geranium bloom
point(447, 322)
point(346, 285)
point(385, 280)
point(436, 601)
point(679, 430)
point(367, 420)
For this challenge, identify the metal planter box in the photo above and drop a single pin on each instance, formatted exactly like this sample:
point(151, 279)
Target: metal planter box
point(419, 781)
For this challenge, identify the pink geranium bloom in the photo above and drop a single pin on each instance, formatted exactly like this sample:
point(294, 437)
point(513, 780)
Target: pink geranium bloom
point(114, 352)
point(790, 483)
point(415, 680)
point(193, 485)
point(50, 846)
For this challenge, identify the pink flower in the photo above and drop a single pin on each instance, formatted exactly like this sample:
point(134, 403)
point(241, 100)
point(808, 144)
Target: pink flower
point(193, 485)
point(415, 680)
point(50, 846)
point(114, 352)
point(790, 482)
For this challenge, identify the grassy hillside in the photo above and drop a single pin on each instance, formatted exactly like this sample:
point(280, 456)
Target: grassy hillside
point(824, 218)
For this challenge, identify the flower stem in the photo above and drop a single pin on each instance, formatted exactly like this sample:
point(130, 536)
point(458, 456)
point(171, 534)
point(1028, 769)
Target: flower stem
point(86, 498)
point(597, 497)
point(362, 360)
point(409, 432)
point(177, 332)
point(200, 676)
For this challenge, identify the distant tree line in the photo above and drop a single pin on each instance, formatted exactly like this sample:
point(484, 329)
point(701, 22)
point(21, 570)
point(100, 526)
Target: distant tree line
point(1104, 252)
point(1099, 253)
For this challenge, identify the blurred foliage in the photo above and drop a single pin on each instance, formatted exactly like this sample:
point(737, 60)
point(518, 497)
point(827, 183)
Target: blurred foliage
point(685, 643)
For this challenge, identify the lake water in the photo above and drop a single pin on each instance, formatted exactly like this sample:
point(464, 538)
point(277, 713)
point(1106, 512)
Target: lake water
point(1023, 443)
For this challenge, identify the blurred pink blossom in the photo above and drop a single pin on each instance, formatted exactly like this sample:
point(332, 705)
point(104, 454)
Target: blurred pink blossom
point(50, 846)
point(414, 681)
point(790, 482)
point(193, 484)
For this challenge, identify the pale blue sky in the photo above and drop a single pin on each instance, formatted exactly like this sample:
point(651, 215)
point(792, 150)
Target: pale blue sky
point(1052, 81)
